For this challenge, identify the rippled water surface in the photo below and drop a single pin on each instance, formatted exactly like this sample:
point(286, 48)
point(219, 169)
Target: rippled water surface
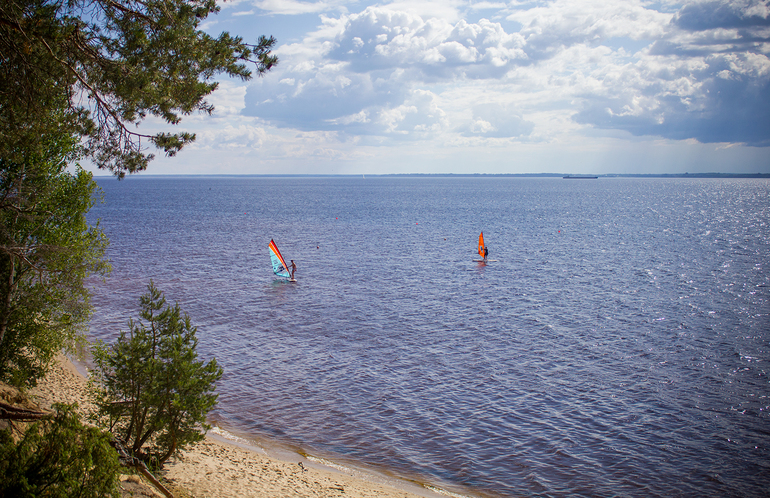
point(618, 345)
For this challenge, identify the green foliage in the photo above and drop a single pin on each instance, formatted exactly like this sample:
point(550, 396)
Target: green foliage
point(47, 250)
point(152, 391)
point(114, 62)
point(58, 458)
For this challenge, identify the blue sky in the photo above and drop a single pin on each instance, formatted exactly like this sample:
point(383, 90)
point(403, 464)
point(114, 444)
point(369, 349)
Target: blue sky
point(451, 86)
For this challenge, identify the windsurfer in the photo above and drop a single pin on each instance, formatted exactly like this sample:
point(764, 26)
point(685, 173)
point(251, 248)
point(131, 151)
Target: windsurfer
point(486, 253)
point(293, 269)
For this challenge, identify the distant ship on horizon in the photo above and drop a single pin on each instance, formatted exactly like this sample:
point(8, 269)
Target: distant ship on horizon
point(580, 177)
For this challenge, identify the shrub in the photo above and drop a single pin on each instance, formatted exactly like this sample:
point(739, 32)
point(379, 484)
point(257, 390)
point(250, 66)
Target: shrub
point(58, 458)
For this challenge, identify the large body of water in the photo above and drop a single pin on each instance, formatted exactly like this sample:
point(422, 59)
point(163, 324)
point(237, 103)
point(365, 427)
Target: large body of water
point(618, 346)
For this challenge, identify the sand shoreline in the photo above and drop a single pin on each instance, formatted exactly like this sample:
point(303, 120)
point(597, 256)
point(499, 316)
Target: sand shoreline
point(222, 467)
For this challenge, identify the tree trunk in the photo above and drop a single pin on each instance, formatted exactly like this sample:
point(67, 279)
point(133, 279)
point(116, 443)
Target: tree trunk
point(10, 412)
point(7, 300)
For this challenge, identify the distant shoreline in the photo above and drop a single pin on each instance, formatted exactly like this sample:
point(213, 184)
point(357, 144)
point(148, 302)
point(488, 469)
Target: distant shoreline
point(468, 175)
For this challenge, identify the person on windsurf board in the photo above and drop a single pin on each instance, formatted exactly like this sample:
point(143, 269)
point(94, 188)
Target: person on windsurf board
point(483, 250)
point(280, 268)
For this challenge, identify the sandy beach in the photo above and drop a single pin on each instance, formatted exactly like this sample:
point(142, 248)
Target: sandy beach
point(216, 467)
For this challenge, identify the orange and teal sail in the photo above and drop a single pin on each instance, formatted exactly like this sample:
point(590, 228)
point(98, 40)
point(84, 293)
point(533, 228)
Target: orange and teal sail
point(280, 267)
point(481, 244)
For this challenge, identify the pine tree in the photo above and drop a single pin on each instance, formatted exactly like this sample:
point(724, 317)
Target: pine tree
point(114, 63)
point(152, 391)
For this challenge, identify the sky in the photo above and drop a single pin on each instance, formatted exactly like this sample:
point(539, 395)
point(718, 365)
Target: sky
point(463, 87)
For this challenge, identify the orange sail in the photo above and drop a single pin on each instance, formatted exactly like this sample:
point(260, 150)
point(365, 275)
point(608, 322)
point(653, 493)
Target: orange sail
point(481, 244)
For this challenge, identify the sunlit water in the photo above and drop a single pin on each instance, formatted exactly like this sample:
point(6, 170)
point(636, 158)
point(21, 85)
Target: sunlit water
point(618, 345)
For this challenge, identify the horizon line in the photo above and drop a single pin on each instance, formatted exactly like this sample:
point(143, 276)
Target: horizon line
point(523, 175)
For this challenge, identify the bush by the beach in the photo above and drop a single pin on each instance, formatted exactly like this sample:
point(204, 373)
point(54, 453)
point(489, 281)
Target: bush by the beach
point(58, 458)
point(47, 252)
point(151, 390)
